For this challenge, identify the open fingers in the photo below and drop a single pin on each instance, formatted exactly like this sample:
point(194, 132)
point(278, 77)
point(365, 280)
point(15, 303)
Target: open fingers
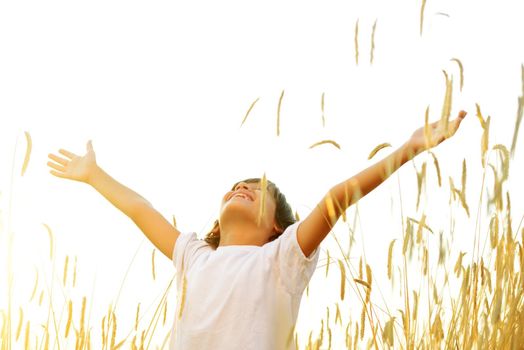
point(457, 121)
point(58, 174)
point(59, 160)
point(66, 153)
point(56, 166)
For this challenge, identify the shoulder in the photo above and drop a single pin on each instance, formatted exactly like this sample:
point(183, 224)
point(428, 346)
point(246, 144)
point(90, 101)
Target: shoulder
point(187, 245)
point(288, 243)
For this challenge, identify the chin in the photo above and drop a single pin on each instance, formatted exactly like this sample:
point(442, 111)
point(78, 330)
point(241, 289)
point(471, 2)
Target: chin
point(238, 209)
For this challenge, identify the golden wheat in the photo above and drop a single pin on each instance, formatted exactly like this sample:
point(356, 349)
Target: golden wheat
point(64, 279)
point(113, 332)
point(458, 265)
point(437, 168)
point(183, 297)
point(74, 273)
point(165, 313)
point(362, 282)
point(427, 129)
point(422, 7)
point(263, 195)
point(356, 42)
point(328, 262)
point(378, 148)
point(446, 106)
point(323, 142)
point(369, 280)
point(278, 112)
point(342, 279)
point(387, 334)
point(26, 338)
point(82, 313)
point(390, 257)
point(372, 53)
point(136, 317)
point(247, 113)
point(421, 177)
point(153, 264)
point(69, 317)
point(20, 322)
point(34, 287)
point(362, 321)
point(415, 305)
point(51, 245)
point(461, 68)
point(338, 316)
point(29, 146)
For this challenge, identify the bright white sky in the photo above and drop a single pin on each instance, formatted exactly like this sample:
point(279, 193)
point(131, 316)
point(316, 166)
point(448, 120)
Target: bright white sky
point(161, 88)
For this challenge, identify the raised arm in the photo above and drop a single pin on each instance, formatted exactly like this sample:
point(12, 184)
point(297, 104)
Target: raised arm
point(319, 222)
point(85, 169)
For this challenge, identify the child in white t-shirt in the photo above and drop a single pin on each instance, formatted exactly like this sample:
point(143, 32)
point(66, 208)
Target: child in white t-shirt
point(242, 291)
point(240, 288)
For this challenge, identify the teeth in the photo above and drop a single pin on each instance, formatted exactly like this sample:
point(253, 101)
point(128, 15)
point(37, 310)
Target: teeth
point(241, 195)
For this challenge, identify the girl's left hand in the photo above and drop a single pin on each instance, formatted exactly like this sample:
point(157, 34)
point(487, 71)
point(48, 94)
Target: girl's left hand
point(436, 134)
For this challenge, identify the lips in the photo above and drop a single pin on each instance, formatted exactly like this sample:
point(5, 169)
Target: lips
point(243, 195)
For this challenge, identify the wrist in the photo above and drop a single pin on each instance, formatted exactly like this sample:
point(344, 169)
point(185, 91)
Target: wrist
point(408, 151)
point(94, 175)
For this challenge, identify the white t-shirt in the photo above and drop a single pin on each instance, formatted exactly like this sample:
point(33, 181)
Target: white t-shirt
point(239, 296)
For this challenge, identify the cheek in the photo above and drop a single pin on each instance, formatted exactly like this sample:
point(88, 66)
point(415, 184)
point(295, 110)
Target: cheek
point(270, 211)
point(224, 199)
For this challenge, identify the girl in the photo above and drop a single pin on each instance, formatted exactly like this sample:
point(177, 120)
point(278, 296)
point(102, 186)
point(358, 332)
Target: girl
point(241, 287)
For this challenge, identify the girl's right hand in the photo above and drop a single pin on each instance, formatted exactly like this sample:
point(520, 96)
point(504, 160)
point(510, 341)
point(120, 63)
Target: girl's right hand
point(73, 167)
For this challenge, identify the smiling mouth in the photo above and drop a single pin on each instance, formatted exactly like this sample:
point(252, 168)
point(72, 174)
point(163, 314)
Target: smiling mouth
point(243, 196)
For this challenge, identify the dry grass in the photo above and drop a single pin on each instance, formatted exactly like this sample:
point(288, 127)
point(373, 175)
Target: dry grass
point(375, 150)
point(324, 142)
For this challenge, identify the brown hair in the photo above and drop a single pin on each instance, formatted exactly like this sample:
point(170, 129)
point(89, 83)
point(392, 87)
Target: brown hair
point(283, 214)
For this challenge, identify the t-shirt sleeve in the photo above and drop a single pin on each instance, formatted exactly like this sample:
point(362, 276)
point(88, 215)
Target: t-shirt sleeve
point(187, 248)
point(294, 267)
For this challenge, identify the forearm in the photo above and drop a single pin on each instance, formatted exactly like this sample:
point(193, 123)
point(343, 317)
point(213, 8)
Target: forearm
point(351, 190)
point(320, 221)
point(122, 197)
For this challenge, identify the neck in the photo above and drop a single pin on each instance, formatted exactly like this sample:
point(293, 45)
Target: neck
point(242, 233)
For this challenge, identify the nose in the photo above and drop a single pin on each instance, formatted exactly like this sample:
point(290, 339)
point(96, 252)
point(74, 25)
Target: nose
point(241, 185)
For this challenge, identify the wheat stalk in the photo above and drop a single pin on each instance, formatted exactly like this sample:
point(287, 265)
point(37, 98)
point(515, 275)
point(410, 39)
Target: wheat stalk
point(51, 244)
point(263, 195)
point(29, 146)
point(520, 112)
point(372, 53)
point(323, 142)
point(64, 279)
point(20, 322)
point(390, 256)
point(248, 111)
point(278, 112)
point(342, 279)
point(461, 68)
point(356, 42)
point(378, 148)
point(153, 264)
point(422, 7)
point(69, 317)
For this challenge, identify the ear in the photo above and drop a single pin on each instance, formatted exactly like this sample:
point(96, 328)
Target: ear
point(277, 229)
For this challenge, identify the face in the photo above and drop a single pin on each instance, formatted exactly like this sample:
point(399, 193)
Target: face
point(245, 199)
